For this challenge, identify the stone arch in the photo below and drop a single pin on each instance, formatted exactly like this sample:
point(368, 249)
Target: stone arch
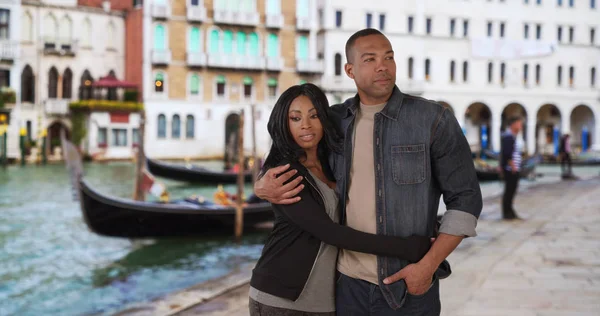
point(547, 129)
point(478, 118)
point(583, 127)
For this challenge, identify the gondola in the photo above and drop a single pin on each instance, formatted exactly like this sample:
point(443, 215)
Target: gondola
point(119, 217)
point(193, 174)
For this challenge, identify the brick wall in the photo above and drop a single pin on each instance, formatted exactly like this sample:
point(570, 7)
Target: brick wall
point(119, 5)
point(134, 47)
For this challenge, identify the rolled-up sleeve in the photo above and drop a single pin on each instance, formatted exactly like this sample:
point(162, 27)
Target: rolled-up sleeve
point(454, 173)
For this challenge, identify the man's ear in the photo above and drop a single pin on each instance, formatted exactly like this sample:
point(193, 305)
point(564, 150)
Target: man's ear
point(349, 68)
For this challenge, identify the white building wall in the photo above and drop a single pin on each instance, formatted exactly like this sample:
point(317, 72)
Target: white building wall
point(12, 43)
point(441, 48)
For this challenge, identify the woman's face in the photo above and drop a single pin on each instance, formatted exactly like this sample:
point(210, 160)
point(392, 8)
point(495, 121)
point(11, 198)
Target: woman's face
point(304, 123)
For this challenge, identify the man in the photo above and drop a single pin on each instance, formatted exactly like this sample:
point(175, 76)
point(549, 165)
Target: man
point(510, 162)
point(400, 153)
point(564, 152)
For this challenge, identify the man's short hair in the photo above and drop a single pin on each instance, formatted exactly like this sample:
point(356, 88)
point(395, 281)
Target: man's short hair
point(513, 119)
point(357, 35)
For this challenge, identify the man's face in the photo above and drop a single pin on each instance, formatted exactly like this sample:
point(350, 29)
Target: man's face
point(373, 68)
point(517, 126)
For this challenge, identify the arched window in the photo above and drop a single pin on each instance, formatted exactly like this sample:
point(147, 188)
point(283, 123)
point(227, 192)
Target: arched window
point(273, 43)
point(338, 64)
point(85, 86)
point(176, 127)
point(302, 47)
point(27, 85)
point(490, 72)
point(189, 126)
point(410, 67)
point(159, 83)
point(465, 71)
point(162, 126)
point(194, 85)
point(427, 69)
point(228, 42)
point(160, 40)
point(253, 44)
point(452, 70)
point(214, 41)
point(67, 84)
point(194, 42)
point(52, 83)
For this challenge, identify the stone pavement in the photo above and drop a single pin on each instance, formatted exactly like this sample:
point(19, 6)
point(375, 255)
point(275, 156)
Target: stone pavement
point(546, 265)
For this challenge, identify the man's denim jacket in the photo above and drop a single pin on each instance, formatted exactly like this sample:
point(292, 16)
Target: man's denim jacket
point(420, 152)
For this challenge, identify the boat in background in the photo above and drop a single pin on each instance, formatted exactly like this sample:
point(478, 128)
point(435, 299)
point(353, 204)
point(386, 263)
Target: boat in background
point(192, 174)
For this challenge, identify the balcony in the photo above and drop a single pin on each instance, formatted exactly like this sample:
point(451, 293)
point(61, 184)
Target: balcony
point(161, 10)
point(8, 50)
point(56, 106)
point(304, 23)
point(236, 61)
point(62, 47)
point(274, 63)
point(196, 13)
point(274, 21)
point(196, 59)
point(309, 65)
point(236, 17)
point(161, 57)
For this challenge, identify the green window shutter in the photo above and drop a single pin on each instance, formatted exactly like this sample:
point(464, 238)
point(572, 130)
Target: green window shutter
point(241, 43)
point(194, 43)
point(214, 41)
point(272, 82)
point(227, 42)
point(302, 81)
point(253, 44)
point(273, 45)
point(159, 37)
point(194, 84)
point(220, 79)
point(247, 80)
point(302, 49)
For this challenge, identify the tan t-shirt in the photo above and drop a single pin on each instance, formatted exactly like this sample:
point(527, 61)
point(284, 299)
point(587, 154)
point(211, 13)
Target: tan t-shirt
point(360, 209)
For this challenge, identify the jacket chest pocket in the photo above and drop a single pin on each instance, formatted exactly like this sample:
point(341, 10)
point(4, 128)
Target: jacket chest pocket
point(408, 164)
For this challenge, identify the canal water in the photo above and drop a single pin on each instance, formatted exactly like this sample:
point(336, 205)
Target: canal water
point(51, 264)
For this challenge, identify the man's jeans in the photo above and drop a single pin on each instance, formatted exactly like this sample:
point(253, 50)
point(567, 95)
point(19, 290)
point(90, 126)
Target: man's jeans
point(361, 298)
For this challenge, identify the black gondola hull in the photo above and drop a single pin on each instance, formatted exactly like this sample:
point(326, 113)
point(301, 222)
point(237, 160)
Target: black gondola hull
point(118, 217)
point(192, 174)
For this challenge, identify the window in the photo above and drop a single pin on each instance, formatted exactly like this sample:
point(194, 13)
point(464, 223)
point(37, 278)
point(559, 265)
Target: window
point(4, 24)
point(159, 83)
point(85, 86)
point(338, 64)
point(428, 25)
point(490, 72)
point(592, 36)
point(273, 46)
point(87, 33)
point(559, 75)
point(119, 137)
point(240, 40)
point(465, 28)
point(571, 34)
point(221, 86)
point(52, 83)
point(227, 43)
point(571, 3)
point(162, 126)
point(369, 20)
point(27, 27)
point(338, 18)
point(502, 29)
point(410, 24)
point(29, 126)
point(102, 135)
point(502, 72)
point(525, 73)
point(382, 22)
point(176, 127)
point(50, 31)
point(489, 29)
point(559, 3)
point(526, 31)
point(214, 41)
point(538, 31)
point(135, 137)
point(253, 44)
point(427, 69)
point(559, 34)
point(272, 85)
point(538, 74)
point(160, 40)
point(4, 78)
point(452, 26)
point(539, 2)
point(27, 85)
point(593, 77)
point(302, 47)
point(571, 76)
point(465, 71)
point(195, 85)
point(194, 41)
point(452, 71)
point(67, 84)
point(248, 87)
point(189, 126)
point(410, 68)
point(137, 3)
point(111, 34)
point(592, 4)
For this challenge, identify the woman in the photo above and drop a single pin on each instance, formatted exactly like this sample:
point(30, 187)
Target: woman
point(296, 272)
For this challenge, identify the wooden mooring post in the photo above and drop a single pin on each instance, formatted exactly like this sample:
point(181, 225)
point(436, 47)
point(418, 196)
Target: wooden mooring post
point(239, 211)
point(138, 194)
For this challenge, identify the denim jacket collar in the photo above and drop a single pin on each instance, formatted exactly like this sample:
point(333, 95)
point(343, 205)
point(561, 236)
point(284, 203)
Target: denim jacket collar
point(391, 110)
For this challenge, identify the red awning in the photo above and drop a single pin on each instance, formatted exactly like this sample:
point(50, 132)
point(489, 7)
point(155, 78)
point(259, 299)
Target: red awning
point(112, 82)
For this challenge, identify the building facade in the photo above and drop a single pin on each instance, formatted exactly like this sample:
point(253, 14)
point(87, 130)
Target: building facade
point(10, 23)
point(205, 61)
point(486, 60)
